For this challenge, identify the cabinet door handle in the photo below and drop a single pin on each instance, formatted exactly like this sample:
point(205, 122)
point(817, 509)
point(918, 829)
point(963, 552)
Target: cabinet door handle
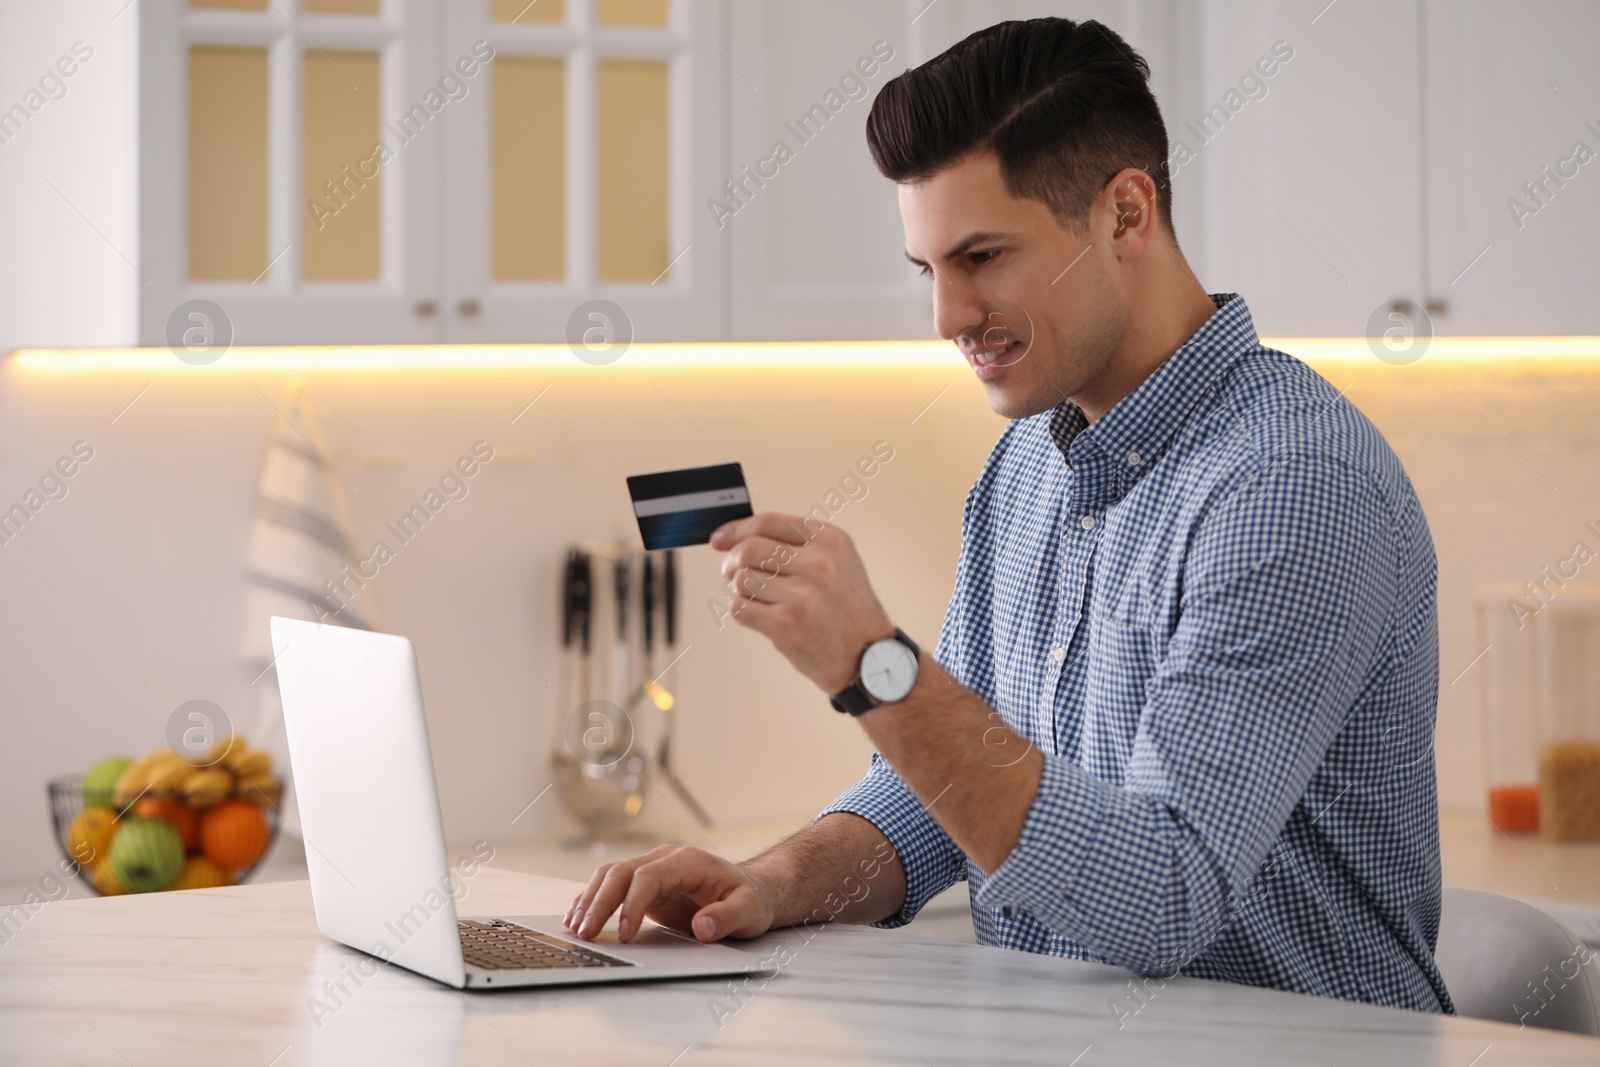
point(425, 309)
point(467, 308)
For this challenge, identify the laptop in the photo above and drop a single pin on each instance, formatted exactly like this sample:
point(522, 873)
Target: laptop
point(369, 814)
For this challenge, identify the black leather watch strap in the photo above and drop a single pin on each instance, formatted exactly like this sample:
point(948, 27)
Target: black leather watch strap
point(853, 699)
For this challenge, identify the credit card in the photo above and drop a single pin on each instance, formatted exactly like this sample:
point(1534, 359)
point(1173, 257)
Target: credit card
point(677, 508)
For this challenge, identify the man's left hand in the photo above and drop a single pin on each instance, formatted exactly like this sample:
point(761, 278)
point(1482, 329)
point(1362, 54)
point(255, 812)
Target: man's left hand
point(803, 585)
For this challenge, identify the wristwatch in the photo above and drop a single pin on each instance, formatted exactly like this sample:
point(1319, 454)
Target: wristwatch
point(888, 672)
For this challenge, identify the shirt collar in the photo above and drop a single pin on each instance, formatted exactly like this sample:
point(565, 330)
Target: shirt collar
point(1140, 426)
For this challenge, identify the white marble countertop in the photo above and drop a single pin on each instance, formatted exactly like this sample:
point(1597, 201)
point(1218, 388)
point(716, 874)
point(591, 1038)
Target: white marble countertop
point(228, 976)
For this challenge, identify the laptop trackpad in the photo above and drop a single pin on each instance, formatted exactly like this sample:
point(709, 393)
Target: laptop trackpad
point(650, 935)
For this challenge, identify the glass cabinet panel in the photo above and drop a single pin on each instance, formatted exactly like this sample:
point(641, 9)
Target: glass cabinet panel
point(632, 12)
point(343, 7)
point(340, 175)
point(528, 169)
point(227, 150)
point(631, 146)
point(529, 10)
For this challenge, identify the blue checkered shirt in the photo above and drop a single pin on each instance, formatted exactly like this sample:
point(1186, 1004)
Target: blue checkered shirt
point(1213, 612)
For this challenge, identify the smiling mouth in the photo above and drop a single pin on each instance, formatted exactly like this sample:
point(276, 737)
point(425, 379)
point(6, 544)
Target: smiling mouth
point(998, 357)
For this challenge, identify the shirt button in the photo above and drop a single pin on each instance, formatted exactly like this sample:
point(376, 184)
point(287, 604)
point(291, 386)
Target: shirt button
point(1087, 522)
point(1059, 653)
point(1006, 911)
point(1134, 459)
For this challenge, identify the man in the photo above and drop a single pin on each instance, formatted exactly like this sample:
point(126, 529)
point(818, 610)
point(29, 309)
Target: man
point(1181, 712)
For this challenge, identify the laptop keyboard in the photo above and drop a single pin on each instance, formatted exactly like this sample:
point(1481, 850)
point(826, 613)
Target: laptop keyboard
point(497, 945)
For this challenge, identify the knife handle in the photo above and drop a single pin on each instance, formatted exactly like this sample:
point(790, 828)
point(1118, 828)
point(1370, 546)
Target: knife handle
point(568, 581)
point(583, 599)
point(620, 573)
point(649, 601)
point(669, 597)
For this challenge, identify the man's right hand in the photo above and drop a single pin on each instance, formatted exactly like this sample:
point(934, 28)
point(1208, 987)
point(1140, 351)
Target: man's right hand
point(680, 887)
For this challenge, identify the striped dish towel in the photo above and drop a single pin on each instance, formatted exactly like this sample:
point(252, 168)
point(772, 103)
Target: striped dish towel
point(301, 544)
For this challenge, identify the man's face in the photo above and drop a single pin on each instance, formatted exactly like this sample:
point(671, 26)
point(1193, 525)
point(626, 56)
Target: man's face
point(1030, 303)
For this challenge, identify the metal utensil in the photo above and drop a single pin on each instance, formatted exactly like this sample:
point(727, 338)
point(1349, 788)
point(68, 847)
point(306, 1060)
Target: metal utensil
point(600, 776)
point(669, 595)
point(648, 686)
point(569, 614)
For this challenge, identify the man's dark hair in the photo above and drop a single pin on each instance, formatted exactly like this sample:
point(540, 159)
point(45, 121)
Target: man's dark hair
point(1064, 105)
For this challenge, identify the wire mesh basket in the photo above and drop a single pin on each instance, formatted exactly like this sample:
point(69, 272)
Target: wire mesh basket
point(165, 842)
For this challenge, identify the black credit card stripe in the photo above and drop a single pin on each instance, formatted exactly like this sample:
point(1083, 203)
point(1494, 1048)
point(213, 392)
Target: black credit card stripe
point(681, 528)
point(694, 480)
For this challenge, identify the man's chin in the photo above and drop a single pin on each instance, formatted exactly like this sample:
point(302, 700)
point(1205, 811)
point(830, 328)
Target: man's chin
point(1010, 402)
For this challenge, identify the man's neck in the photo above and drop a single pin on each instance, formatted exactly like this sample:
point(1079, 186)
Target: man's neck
point(1156, 329)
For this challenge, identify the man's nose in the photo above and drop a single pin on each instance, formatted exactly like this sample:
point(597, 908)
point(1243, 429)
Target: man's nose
point(956, 310)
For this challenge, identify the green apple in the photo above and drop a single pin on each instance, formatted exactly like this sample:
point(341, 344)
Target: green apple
point(146, 854)
point(101, 779)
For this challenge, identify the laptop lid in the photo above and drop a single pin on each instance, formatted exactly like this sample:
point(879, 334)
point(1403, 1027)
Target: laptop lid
point(369, 807)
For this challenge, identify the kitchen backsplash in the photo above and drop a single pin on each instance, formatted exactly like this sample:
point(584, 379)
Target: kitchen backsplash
point(125, 590)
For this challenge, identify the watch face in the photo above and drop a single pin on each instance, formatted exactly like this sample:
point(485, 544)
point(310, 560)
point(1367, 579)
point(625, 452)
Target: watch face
point(888, 670)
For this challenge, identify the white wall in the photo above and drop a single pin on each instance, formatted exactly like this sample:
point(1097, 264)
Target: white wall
point(66, 253)
point(123, 600)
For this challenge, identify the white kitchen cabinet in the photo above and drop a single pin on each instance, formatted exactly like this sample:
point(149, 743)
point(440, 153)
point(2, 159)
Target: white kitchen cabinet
point(1380, 161)
point(1383, 164)
point(1309, 176)
point(433, 271)
point(1514, 166)
point(256, 198)
point(812, 230)
point(666, 138)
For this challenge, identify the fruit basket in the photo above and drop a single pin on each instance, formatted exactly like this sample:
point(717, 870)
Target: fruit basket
point(166, 823)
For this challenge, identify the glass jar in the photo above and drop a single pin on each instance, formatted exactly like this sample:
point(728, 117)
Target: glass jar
point(1540, 687)
point(1508, 691)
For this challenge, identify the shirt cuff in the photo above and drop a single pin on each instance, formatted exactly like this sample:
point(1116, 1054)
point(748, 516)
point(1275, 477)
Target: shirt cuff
point(932, 862)
point(1058, 834)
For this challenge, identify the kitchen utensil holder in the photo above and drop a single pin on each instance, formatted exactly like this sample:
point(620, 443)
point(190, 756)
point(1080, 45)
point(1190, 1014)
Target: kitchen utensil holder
point(613, 730)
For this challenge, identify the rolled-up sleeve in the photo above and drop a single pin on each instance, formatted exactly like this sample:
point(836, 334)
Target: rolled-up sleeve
point(932, 862)
point(1290, 586)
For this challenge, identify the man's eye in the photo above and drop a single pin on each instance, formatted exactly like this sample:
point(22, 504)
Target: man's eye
point(980, 258)
point(925, 272)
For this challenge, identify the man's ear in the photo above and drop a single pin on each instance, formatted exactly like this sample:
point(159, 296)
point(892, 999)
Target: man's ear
point(1130, 198)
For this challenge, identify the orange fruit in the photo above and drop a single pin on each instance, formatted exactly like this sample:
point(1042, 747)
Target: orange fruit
point(200, 873)
point(175, 811)
point(234, 834)
point(89, 836)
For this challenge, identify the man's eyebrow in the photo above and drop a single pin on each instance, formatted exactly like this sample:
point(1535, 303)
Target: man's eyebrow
point(964, 245)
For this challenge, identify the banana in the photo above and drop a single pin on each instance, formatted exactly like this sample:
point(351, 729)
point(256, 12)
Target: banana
point(234, 743)
point(162, 763)
point(249, 763)
point(169, 776)
point(133, 778)
point(262, 789)
point(206, 786)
